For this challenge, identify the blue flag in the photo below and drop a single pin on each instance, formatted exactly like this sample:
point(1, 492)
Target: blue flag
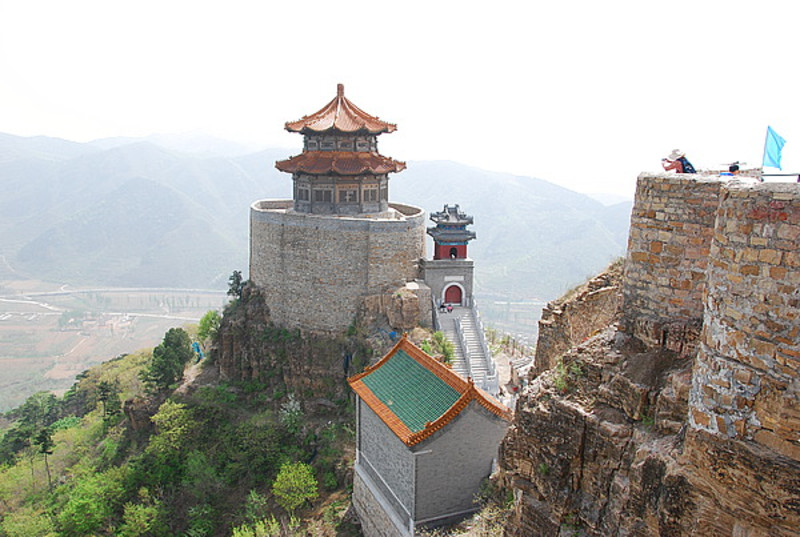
point(772, 149)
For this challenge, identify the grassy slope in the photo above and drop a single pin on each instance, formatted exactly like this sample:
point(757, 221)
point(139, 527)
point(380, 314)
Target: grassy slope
point(233, 445)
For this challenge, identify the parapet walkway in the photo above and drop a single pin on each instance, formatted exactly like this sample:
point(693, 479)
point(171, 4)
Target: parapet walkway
point(472, 357)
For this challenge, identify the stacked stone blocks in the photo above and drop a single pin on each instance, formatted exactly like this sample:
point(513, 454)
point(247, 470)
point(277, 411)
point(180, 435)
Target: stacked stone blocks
point(713, 273)
point(672, 226)
point(316, 270)
point(745, 379)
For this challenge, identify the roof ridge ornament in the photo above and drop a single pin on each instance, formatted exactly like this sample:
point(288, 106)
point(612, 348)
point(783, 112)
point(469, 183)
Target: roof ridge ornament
point(340, 90)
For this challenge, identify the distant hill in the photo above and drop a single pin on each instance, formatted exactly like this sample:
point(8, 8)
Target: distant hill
point(534, 239)
point(130, 212)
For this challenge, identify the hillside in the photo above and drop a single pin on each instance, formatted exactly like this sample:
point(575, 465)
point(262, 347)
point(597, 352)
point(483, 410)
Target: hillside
point(130, 212)
point(120, 455)
point(534, 239)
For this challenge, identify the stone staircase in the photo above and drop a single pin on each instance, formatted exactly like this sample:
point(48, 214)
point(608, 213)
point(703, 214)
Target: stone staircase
point(471, 357)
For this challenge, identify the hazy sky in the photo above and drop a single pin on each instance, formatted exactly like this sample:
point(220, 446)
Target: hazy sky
point(585, 94)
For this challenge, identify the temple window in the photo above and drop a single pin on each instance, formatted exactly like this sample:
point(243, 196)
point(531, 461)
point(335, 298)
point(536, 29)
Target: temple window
point(349, 195)
point(370, 194)
point(323, 195)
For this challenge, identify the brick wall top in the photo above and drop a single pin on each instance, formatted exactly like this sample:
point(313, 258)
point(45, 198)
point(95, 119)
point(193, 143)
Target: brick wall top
point(279, 211)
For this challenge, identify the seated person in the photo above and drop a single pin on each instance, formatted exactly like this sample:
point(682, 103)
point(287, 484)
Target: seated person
point(677, 161)
point(733, 169)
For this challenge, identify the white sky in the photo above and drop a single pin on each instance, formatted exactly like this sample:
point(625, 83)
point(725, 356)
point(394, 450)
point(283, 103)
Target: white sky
point(585, 94)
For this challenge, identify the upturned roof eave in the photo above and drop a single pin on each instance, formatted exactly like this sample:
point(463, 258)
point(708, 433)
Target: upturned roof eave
point(345, 163)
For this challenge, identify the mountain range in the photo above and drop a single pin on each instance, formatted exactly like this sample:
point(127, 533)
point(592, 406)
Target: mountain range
point(173, 211)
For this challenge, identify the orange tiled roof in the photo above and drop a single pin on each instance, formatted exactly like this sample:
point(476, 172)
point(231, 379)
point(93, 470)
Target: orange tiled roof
point(466, 388)
point(340, 163)
point(341, 115)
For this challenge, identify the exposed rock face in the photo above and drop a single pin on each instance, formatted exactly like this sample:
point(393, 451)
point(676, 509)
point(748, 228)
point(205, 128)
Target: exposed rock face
point(611, 454)
point(568, 321)
point(313, 366)
point(138, 411)
point(681, 418)
point(403, 309)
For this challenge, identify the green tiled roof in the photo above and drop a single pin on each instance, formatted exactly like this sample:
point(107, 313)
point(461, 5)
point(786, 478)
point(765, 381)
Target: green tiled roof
point(413, 393)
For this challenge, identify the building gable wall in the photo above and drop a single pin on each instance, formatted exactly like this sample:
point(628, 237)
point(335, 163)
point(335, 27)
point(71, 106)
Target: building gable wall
point(451, 465)
point(387, 461)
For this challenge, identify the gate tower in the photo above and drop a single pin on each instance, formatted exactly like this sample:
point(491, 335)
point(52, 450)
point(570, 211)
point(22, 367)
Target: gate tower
point(449, 274)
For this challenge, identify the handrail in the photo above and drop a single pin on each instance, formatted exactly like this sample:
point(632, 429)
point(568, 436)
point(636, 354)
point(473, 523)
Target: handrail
point(435, 311)
point(462, 342)
point(492, 383)
point(482, 337)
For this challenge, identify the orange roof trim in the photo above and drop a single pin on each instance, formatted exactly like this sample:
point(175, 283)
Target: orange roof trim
point(469, 392)
point(340, 163)
point(341, 115)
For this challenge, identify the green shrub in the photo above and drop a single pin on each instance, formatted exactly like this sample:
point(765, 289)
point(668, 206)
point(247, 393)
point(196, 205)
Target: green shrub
point(294, 486)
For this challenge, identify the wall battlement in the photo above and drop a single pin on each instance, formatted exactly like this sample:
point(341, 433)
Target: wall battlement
point(713, 272)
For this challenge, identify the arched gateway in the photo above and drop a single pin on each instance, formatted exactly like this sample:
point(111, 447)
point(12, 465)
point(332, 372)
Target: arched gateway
point(453, 295)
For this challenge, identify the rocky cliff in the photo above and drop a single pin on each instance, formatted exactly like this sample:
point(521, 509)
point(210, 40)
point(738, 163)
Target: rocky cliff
point(679, 417)
point(313, 366)
point(250, 348)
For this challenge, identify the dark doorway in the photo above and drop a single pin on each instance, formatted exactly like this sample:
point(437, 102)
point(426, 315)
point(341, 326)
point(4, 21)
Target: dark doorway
point(452, 295)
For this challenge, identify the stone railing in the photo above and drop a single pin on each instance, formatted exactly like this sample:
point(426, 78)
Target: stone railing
point(437, 326)
point(462, 342)
point(476, 316)
point(492, 384)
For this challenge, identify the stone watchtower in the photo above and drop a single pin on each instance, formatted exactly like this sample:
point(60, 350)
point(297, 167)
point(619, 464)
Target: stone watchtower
point(449, 274)
point(318, 255)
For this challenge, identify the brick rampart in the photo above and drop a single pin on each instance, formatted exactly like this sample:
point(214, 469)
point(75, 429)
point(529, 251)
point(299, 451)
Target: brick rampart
point(672, 224)
point(315, 270)
point(747, 370)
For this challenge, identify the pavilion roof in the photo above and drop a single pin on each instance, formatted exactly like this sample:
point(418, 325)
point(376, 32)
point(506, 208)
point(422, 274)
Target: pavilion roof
point(340, 115)
point(451, 214)
point(340, 163)
point(416, 395)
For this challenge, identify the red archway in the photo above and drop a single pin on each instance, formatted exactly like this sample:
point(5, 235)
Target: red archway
point(452, 295)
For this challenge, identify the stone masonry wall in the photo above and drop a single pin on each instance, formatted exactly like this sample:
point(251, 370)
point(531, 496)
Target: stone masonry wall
point(315, 270)
point(747, 371)
point(672, 223)
point(683, 419)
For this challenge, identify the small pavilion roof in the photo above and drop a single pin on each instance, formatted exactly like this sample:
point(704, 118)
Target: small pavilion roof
point(416, 395)
point(340, 163)
point(340, 115)
point(451, 214)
